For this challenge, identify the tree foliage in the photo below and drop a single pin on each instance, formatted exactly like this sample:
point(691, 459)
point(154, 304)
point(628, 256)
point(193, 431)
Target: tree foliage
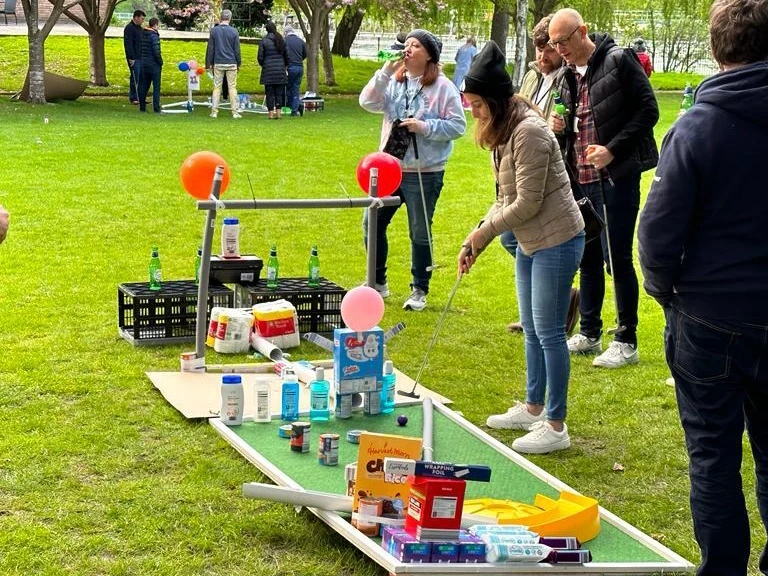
point(249, 16)
point(182, 14)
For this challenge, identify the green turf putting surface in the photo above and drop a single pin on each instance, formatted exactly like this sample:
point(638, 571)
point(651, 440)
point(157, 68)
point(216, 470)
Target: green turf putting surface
point(452, 443)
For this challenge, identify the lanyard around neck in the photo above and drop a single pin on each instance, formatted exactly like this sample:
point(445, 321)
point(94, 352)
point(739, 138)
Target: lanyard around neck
point(412, 100)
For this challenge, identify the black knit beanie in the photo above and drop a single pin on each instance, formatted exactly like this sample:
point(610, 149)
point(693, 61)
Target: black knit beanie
point(488, 74)
point(431, 43)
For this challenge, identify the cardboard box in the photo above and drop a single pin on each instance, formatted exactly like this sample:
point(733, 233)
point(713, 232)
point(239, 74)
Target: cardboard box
point(437, 469)
point(408, 549)
point(371, 481)
point(447, 551)
point(358, 360)
point(434, 507)
point(471, 548)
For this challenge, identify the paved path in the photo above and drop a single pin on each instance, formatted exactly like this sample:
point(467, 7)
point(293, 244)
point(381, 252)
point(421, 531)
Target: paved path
point(71, 29)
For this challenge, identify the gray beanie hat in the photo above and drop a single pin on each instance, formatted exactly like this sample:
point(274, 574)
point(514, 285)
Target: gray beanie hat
point(639, 45)
point(431, 43)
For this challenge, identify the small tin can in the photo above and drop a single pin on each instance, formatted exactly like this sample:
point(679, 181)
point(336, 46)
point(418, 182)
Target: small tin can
point(369, 507)
point(350, 474)
point(353, 436)
point(300, 436)
point(372, 403)
point(328, 450)
point(343, 407)
point(285, 431)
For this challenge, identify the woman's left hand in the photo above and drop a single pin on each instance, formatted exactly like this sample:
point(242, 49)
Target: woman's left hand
point(414, 125)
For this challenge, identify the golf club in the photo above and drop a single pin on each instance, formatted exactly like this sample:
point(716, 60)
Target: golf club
point(412, 393)
point(433, 266)
point(619, 328)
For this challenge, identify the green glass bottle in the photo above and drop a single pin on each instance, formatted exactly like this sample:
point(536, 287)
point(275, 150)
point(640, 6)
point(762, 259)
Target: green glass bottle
point(313, 277)
point(273, 268)
point(390, 55)
point(155, 270)
point(198, 263)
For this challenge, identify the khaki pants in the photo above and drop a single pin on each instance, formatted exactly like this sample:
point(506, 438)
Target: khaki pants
point(230, 70)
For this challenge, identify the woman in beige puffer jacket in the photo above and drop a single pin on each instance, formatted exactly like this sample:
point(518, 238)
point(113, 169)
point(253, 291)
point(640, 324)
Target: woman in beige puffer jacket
point(534, 201)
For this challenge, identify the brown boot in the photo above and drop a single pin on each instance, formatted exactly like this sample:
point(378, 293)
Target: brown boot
point(573, 311)
point(514, 327)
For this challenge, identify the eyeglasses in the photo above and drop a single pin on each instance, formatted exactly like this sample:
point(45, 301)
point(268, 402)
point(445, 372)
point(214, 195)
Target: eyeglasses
point(564, 42)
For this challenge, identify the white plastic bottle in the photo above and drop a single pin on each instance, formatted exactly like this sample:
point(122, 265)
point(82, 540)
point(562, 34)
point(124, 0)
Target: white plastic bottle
point(232, 400)
point(262, 397)
point(230, 238)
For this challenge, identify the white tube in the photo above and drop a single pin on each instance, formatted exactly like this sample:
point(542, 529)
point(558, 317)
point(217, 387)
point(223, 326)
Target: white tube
point(311, 498)
point(426, 435)
point(266, 348)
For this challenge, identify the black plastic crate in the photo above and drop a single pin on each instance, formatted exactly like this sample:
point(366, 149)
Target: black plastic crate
point(165, 316)
point(318, 309)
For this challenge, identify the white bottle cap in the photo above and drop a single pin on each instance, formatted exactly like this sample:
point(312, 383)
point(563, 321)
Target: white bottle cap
point(388, 367)
point(319, 373)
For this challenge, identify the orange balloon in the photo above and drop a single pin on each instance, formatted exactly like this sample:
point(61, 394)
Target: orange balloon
point(197, 171)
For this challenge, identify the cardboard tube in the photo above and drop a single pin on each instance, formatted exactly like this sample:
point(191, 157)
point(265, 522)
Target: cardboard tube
point(426, 434)
point(266, 348)
point(297, 497)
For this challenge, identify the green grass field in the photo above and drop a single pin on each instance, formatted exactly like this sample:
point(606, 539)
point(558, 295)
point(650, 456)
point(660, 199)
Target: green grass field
point(100, 476)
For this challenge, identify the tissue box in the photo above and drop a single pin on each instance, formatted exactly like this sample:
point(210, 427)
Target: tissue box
point(358, 360)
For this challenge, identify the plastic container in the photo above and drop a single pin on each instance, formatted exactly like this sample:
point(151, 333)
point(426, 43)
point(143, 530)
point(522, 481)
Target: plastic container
point(232, 400)
point(318, 397)
point(230, 238)
point(289, 410)
point(262, 402)
point(388, 388)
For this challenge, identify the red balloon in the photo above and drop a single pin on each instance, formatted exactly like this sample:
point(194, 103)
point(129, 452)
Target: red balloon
point(200, 71)
point(390, 173)
point(197, 171)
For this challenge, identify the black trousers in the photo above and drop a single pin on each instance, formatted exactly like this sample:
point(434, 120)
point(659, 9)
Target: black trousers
point(623, 202)
point(721, 380)
point(275, 96)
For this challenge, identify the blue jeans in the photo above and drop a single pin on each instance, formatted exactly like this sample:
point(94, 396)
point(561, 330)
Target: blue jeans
point(295, 74)
point(509, 242)
point(410, 195)
point(150, 75)
point(721, 381)
point(134, 77)
point(623, 203)
point(544, 282)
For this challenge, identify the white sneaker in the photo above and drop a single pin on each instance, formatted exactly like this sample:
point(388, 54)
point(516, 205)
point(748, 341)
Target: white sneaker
point(670, 381)
point(618, 354)
point(580, 344)
point(416, 301)
point(382, 289)
point(516, 418)
point(236, 116)
point(542, 439)
point(214, 114)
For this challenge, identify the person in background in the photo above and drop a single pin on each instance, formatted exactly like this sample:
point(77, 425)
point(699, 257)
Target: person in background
point(545, 76)
point(151, 66)
point(4, 220)
point(704, 255)
point(642, 54)
point(399, 43)
point(421, 108)
point(132, 34)
point(464, 56)
point(614, 145)
point(223, 57)
point(533, 199)
point(272, 58)
point(296, 50)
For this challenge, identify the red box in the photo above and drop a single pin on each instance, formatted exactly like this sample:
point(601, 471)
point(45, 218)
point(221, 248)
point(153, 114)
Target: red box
point(434, 504)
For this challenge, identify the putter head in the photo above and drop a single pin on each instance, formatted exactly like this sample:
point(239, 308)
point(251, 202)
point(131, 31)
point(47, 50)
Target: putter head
point(617, 330)
point(411, 394)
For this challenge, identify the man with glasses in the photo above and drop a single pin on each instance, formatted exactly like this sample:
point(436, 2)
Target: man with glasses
point(615, 115)
point(545, 75)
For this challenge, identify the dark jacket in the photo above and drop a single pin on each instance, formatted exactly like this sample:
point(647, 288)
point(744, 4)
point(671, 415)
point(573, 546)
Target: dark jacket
point(623, 106)
point(150, 49)
point(223, 46)
point(296, 50)
point(272, 61)
point(132, 41)
point(702, 235)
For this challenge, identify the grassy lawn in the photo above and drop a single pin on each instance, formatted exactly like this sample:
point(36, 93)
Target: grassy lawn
point(100, 476)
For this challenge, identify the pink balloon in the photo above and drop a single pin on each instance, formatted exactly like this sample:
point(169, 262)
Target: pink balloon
point(362, 308)
point(193, 64)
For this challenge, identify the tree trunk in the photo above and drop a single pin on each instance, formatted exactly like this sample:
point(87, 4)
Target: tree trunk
point(36, 69)
point(330, 74)
point(520, 43)
point(346, 31)
point(500, 24)
point(98, 62)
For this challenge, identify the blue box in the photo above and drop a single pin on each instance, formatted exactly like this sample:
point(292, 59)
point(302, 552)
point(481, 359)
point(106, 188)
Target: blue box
point(358, 360)
point(445, 551)
point(471, 548)
point(408, 549)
